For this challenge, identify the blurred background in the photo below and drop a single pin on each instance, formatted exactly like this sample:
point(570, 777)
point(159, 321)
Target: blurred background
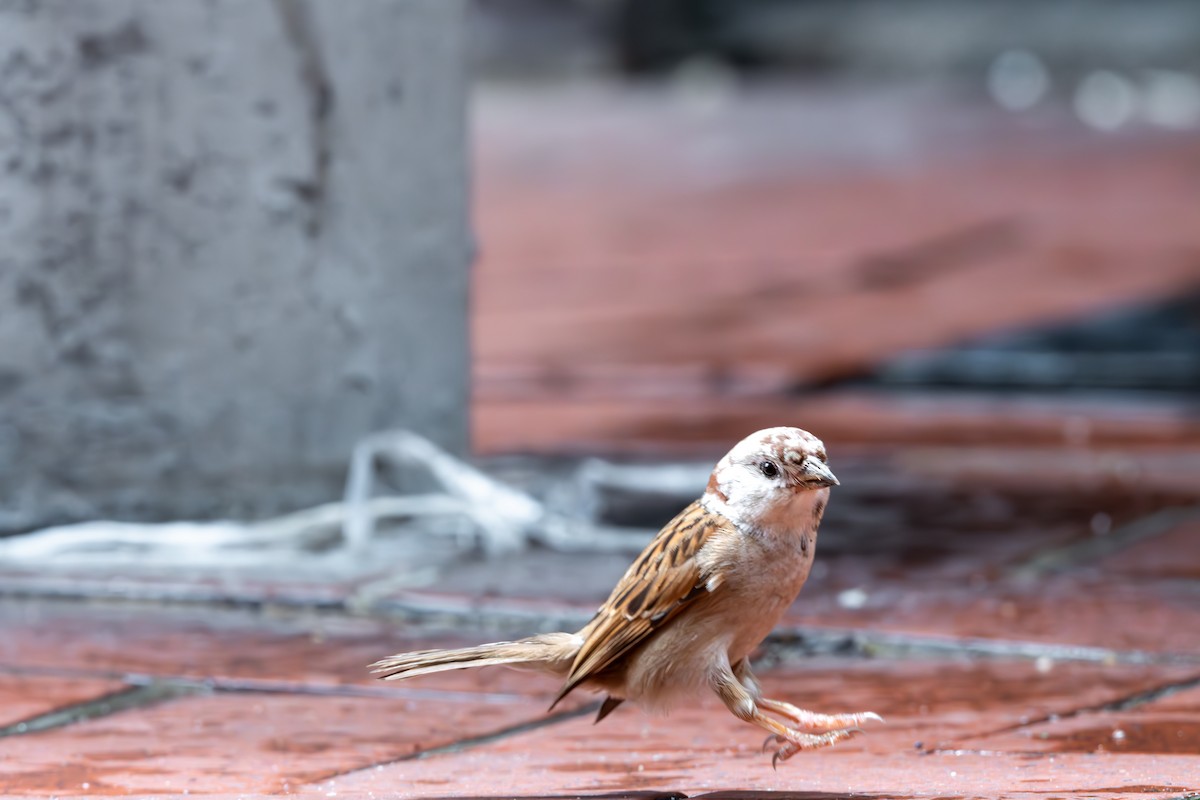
point(336, 328)
point(953, 220)
point(958, 241)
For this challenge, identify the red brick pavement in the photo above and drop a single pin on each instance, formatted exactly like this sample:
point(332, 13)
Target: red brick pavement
point(983, 693)
point(990, 728)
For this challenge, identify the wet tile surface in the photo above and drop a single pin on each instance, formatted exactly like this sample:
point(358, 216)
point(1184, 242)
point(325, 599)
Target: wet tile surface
point(954, 725)
point(610, 767)
point(706, 749)
point(242, 742)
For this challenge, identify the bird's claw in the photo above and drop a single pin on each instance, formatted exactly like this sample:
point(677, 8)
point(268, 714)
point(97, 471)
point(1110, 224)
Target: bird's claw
point(812, 730)
point(805, 741)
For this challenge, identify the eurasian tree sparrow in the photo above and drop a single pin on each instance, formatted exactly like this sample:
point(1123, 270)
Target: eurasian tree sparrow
point(698, 600)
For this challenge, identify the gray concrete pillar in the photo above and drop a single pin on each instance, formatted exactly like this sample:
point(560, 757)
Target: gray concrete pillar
point(233, 239)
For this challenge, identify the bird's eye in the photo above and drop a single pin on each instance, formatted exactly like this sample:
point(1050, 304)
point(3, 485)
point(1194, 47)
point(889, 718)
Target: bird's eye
point(768, 468)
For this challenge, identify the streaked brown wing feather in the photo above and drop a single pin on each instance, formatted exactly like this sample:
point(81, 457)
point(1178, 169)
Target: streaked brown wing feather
point(656, 587)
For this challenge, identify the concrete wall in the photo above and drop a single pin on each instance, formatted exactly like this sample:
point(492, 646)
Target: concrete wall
point(233, 239)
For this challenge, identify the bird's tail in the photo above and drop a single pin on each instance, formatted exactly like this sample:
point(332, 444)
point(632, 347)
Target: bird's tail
point(547, 652)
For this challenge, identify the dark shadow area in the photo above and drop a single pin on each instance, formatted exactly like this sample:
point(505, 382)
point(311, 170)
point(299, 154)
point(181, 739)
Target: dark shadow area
point(1162, 737)
point(643, 795)
point(733, 794)
point(1143, 349)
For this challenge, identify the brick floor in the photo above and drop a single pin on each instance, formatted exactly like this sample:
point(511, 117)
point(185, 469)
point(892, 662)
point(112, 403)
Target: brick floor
point(1014, 649)
point(234, 702)
point(989, 728)
point(256, 743)
point(707, 750)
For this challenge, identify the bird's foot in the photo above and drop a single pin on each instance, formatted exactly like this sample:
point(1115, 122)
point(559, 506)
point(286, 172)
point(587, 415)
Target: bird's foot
point(812, 721)
point(796, 741)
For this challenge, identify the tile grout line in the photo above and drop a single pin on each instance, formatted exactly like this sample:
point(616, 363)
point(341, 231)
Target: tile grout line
point(1075, 553)
point(262, 686)
point(792, 644)
point(1149, 695)
point(132, 696)
point(1125, 703)
point(267, 686)
point(182, 597)
point(143, 691)
point(470, 742)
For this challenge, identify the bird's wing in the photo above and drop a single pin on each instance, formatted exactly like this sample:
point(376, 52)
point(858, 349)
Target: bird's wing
point(664, 579)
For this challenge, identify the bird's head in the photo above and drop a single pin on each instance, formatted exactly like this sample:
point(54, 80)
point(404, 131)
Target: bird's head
point(775, 477)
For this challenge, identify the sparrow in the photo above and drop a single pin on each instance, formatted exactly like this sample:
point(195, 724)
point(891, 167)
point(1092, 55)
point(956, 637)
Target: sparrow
point(690, 610)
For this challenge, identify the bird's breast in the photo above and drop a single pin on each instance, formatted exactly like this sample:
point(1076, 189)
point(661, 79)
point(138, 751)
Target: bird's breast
point(761, 587)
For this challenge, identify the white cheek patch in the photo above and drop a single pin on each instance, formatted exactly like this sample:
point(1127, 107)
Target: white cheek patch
point(716, 505)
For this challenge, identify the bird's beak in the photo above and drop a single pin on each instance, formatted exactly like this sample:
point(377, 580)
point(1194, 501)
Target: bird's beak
point(816, 473)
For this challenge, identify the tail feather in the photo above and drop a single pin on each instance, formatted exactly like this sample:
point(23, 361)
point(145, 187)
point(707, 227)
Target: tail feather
point(551, 652)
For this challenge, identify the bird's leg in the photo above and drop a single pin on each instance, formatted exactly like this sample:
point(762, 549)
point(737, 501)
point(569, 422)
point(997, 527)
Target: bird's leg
point(812, 721)
point(808, 720)
point(742, 703)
